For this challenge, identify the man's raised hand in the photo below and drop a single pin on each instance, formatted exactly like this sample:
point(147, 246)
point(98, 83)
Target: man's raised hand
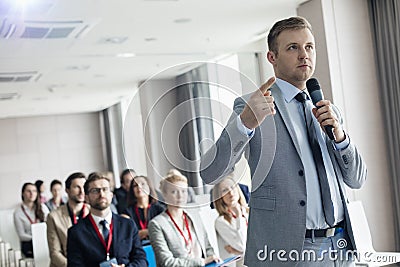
point(259, 106)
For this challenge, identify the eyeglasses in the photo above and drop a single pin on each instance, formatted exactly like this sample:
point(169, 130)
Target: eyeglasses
point(96, 191)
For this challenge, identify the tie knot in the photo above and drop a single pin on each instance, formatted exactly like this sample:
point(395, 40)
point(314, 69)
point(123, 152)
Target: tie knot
point(301, 97)
point(104, 223)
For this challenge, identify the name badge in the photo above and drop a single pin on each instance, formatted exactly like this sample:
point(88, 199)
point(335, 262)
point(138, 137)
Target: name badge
point(108, 263)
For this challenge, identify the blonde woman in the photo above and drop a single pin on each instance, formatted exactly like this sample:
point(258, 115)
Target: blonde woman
point(179, 239)
point(231, 225)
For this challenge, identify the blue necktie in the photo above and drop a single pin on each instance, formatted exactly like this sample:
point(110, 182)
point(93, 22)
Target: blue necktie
point(319, 162)
point(105, 230)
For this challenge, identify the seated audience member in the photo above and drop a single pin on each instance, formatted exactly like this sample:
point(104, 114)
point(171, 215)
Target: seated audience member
point(245, 191)
point(29, 212)
point(40, 187)
point(142, 205)
point(57, 199)
point(60, 220)
point(231, 225)
point(114, 201)
point(122, 193)
point(179, 239)
point(191, 193)
point(103, 237)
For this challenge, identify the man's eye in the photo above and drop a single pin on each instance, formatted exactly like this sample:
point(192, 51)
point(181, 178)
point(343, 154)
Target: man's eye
point(292, 47)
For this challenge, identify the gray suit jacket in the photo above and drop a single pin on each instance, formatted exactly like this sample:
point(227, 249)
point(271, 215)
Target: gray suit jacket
point(166, 241)
point(277, 205)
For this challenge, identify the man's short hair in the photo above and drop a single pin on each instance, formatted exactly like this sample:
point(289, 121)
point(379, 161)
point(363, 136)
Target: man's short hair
point(75, 175)
point(54, 182)
point(292, 23)
point(94, 176)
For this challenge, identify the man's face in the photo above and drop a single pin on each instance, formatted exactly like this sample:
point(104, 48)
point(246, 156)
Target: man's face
point(76, 192)
point(295, 60)
point(100, 195)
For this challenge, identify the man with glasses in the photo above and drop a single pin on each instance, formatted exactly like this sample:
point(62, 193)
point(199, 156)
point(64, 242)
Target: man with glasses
point(103, 238)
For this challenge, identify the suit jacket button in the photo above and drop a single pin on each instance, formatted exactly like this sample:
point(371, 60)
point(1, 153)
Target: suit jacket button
point(302, 203)
point(301, 172)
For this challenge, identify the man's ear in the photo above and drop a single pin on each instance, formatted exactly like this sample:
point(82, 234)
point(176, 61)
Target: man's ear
point(271, 57)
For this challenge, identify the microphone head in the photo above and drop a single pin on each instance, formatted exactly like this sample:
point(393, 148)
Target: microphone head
point(312, 85)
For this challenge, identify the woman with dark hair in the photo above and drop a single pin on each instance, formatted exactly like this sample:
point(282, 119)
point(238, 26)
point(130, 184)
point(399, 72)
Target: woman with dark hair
point(57, 200)
point(29, 212)
point(40, 187)
point(142, 204)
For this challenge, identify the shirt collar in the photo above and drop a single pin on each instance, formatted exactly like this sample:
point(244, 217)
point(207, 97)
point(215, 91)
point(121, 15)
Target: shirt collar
point(288, 90)
point(98, 219)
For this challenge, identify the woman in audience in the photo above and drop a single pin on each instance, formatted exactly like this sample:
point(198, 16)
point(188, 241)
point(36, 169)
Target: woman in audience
point(231, 225)
point(40, 187)
point(179, 239)
point(142, 204)
point(57, 199)
point(29, 212)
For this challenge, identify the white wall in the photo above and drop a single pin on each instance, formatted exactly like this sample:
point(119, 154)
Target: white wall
point(46, 148)
point(346, 67)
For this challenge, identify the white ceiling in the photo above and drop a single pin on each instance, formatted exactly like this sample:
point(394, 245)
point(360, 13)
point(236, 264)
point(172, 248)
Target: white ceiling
point(85, 71)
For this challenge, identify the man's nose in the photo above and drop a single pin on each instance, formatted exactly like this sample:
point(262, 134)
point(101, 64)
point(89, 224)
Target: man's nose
point(303, 53)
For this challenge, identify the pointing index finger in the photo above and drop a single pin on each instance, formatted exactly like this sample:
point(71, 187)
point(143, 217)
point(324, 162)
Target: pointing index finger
point(264, 88)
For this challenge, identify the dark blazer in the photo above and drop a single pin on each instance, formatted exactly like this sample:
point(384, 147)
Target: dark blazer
point(85, 249)
point(154, 210)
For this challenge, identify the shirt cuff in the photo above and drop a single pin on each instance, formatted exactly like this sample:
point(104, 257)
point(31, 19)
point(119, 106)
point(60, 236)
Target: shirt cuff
point(243, 129)
point(344, 144)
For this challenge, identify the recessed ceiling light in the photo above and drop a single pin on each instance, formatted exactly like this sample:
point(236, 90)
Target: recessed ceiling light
point(78, 67)
point(126, 55)
point(150, 39)
point(183, 20)
point(113, 40)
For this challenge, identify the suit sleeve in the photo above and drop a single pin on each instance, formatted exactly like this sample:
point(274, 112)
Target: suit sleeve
point(351, 164)
point(221, 158)
point(55, 249)
point(164, 256)
point(75, 258)
point(137, 256)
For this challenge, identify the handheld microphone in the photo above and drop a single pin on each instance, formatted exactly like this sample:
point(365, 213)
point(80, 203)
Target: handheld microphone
point(316, 95)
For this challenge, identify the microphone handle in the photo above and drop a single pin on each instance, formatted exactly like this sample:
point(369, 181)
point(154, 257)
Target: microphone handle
point(329, 132)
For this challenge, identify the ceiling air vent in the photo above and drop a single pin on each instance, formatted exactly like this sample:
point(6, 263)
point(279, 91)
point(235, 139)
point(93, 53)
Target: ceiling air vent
point(11, 77)
point(31, 29)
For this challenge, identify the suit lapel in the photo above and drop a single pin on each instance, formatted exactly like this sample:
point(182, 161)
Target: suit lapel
point(116, 226)
point(66, 220)
point(280, 105)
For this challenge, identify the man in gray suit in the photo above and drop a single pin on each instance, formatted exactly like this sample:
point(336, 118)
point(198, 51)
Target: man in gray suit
point(292, 221)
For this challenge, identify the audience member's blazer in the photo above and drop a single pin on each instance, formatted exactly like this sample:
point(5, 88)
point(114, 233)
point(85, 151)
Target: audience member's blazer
point(166, 241)
point(277, 204)
point(58, 222)
point(86, 250)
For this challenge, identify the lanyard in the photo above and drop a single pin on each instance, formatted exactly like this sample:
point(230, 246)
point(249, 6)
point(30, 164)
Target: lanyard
point(143, 224)
point(234, 216)
point(179, 229)
point(83, 213)
point(108, 246)
point(27, 216)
